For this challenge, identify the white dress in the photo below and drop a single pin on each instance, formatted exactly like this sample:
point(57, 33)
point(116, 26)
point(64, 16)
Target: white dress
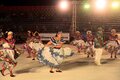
point(53, 57)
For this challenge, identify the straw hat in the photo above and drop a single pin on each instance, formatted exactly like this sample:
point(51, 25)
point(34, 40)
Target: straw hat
point(10, 33)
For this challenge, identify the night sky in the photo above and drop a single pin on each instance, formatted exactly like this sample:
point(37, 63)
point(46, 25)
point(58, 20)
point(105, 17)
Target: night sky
point(27, 2)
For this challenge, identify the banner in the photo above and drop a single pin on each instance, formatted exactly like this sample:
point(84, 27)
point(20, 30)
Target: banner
point(47, 36)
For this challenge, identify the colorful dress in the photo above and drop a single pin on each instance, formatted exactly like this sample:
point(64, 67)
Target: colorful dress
point(8, 49)
point(7, 60)
point(53, 57)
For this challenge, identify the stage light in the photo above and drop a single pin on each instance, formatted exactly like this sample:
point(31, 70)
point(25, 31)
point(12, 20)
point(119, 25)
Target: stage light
point(86, 6)
point(64, 5)
point(115, 5)
point(101, 4)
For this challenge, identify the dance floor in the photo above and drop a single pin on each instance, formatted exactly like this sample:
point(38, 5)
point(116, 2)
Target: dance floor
point(77, 67)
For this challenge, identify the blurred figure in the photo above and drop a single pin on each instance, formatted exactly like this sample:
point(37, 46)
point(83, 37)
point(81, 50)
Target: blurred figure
point(113, 43)
point(99, 42)
point(32, 38)
point(8, 53)
point(29, 39)
point(89, 44)
point(35, 40)
point(79, 42)
point(78, 35)
point(36, 37)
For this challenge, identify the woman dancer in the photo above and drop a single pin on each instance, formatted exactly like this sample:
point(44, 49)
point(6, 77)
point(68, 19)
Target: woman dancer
point(113, 43)
point(26, 46)
point(79, 42)
point(53, 53)
point(8, 54)
point(90, 44)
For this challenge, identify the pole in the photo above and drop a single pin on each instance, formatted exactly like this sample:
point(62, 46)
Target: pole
point(74, 16)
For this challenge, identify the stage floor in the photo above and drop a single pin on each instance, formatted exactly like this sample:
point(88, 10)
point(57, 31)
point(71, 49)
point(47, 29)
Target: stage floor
point(77, 67)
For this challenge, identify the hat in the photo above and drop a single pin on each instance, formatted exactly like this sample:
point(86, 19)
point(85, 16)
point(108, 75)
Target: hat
point(113, 30)
point(10, 33)
point(29, 31)
point(77, 31)
point(88, 32)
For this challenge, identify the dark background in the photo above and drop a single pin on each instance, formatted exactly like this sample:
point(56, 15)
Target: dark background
point(44, 16)
point(27, 2)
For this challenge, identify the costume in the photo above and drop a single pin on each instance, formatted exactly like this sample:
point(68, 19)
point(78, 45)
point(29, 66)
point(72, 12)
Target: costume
point(8, 54)
point(53, 56)
point(8, 48)
point(99, 42)
point(8, 63)
point(113, 43)
point(78, 42)
point(90, 44)
point(113, 40)
point(27, 47)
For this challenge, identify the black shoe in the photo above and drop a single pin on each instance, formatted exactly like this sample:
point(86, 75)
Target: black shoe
point(91, 55)
point(115, 56)
point(58, 71)
point(51, 71)
point(111, 57)
point(33, 59)
point(2, 73)
point(12, 75)
point(88, 56)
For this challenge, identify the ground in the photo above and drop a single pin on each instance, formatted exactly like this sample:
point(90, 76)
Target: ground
point(77, 67)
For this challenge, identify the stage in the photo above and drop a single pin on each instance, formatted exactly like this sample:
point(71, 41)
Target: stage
point(77, 67)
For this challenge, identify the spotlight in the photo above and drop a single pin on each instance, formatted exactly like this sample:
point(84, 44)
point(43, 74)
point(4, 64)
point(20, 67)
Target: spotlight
point(64, 5)
point(86, 6)
point(101, 4)
point(115, 5)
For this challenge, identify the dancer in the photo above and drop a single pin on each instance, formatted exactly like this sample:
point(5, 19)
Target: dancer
point(90, 44)
point(79, 42)
point(36, 40)
point(37, 37)
point(113, 43)
point(99, 45)
point(26, 45)
point(53, 53)
point(8, 53)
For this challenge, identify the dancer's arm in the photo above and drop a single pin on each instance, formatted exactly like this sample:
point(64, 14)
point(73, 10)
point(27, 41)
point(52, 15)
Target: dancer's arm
point(59, 45)
point(49, 43)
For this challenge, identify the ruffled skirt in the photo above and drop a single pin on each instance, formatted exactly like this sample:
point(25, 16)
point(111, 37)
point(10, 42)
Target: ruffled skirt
point(112, 43)
point(53, 57)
